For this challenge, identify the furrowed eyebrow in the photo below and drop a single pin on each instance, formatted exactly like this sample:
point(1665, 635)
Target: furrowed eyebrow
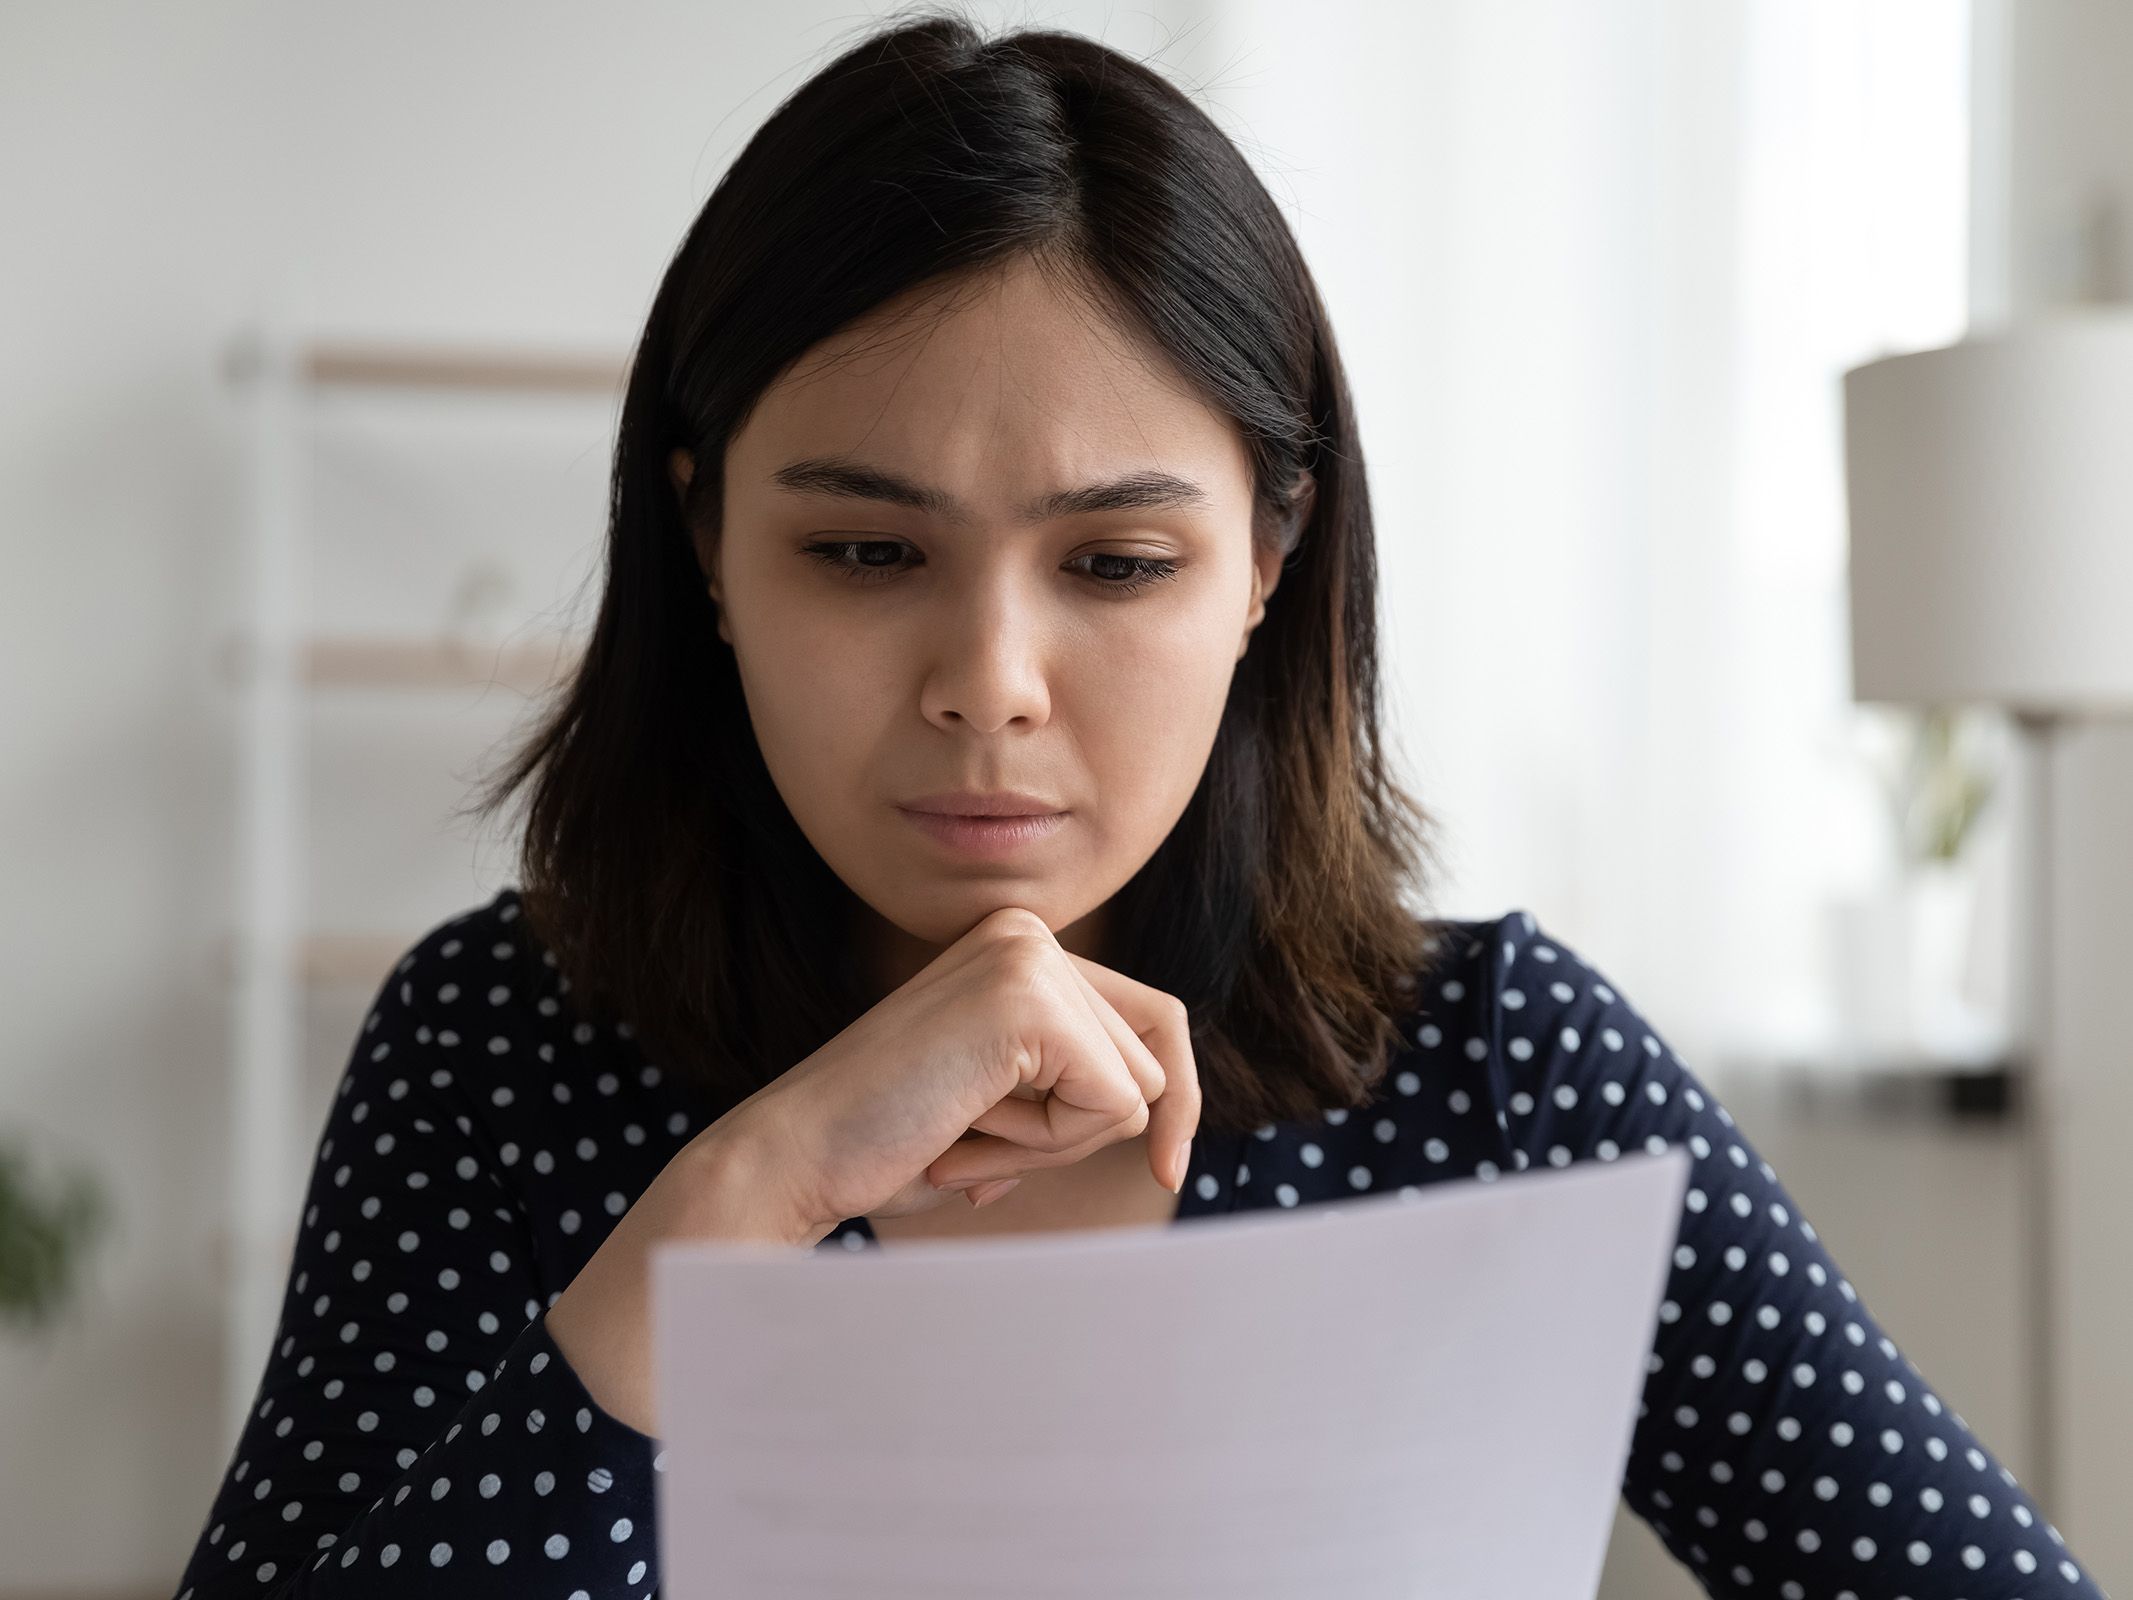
point(851, 480)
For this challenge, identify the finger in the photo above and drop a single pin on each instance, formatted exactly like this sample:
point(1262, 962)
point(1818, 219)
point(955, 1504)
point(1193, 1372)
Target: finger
point(1158, 1053)
point(1048, 1124)
point(1059, 1124)
point(983, 1156)
point(1143, 1063)
point(1163, 1027)
point(1084, 1110)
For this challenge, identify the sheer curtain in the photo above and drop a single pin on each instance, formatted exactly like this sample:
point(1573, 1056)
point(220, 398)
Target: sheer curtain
point(1597, 269)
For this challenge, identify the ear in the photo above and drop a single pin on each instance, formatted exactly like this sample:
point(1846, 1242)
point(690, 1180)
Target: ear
point(681, 469)
point(1303, 499)
point(1267, 564)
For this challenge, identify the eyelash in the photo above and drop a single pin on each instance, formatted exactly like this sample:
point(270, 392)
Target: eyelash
point(1148, 571)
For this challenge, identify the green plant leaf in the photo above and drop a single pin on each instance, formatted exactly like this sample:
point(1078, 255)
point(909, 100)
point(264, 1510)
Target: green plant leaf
point(43, 1238)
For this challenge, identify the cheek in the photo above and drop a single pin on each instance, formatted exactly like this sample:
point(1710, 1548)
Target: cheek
point(1145, 711)
point(1174, 674)
point(1180, 662)
point(816, 710)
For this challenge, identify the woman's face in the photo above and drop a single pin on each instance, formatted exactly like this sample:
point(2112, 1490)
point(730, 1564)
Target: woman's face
point(918, 603)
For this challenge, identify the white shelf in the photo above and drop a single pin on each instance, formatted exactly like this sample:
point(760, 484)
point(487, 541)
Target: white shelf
point(278, 666)
point(350, 661)
point(328, 960)
point(1844, 1062)
point(472, 369)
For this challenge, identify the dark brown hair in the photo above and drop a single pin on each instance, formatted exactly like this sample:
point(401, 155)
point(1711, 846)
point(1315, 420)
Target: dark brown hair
point(658, 862)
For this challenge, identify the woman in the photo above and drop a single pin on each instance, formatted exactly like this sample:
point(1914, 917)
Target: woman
point(976, 423)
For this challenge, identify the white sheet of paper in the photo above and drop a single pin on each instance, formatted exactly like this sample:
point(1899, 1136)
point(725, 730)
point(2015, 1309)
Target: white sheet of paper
point(1420, 1394)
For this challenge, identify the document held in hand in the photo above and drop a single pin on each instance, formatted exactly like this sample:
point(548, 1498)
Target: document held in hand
point(1422, 1393)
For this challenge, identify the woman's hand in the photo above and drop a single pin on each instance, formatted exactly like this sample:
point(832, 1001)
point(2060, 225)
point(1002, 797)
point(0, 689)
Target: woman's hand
point(1008, 1053)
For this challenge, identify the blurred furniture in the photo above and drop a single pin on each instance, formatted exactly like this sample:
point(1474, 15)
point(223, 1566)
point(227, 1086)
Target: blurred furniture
point(273, 956)
point(1991, 499)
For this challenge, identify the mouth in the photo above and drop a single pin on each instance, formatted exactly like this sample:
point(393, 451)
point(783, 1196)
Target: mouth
point(984, 803)
point(989, 836)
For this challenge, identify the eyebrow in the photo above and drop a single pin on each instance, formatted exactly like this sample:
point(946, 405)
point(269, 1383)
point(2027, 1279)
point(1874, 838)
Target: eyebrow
point(852, 480)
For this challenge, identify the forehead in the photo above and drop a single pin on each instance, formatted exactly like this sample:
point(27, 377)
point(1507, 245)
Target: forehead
point(998, 388)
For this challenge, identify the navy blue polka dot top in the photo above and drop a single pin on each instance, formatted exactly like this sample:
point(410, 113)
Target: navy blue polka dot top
point(416, 1432)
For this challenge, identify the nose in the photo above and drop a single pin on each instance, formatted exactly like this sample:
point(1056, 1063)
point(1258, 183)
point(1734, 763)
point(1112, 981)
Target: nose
point(987, 662)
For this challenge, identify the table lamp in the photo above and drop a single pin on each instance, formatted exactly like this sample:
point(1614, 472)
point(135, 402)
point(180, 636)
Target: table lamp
point(1990, 486)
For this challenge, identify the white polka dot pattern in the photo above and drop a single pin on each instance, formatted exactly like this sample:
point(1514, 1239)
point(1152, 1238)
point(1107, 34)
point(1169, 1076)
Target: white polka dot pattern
point(416, 1431)
point(1783, 1444)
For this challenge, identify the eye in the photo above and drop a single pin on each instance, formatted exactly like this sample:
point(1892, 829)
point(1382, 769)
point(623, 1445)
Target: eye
point(1140, 572)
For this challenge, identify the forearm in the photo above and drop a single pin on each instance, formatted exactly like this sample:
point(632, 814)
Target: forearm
point(718, 1188)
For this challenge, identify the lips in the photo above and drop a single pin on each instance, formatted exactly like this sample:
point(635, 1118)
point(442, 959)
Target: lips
point(984, 803)
point(993, 838)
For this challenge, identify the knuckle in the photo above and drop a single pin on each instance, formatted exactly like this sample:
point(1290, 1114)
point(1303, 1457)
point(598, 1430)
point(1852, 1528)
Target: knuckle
point(1014, 922)
point(1020, 959)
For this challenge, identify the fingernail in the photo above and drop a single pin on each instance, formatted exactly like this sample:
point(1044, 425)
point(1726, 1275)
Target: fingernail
point(959, 1185)
point(986, 1193)
point(1184, 1164)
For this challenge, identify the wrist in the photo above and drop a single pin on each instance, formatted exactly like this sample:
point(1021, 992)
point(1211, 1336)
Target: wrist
point(742, 1190)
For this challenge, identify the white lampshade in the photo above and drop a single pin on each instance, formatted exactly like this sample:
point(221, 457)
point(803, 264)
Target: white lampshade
point(1991, 494)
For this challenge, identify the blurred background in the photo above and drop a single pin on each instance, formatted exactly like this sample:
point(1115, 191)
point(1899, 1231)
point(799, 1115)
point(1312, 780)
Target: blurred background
point(313, 321)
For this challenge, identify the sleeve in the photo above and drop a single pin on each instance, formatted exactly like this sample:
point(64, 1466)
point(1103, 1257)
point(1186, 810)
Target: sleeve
point(416, 1431)
point(1783, 1445)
